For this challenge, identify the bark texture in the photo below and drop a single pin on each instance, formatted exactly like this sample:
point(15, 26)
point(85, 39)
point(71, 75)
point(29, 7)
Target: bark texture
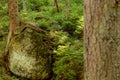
point(14, 19)
point(102, 39)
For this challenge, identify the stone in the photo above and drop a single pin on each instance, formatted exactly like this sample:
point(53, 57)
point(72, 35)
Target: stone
point(30, 56)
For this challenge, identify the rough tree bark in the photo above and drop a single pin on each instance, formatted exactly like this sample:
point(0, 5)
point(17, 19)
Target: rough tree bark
point(13, 17)
point(102, 39)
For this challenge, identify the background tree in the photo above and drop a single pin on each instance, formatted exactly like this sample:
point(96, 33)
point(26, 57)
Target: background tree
point(56, 5)
point(13, 17)
point(102, 39)
point(67, 8)
point(24, 4)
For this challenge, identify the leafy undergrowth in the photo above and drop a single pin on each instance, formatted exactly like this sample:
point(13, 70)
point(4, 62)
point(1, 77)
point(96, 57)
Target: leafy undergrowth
point(5, 76)
point(66, 35)
point(68, 57)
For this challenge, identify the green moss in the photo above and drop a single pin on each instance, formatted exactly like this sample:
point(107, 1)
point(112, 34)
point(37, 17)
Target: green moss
point(29, 55)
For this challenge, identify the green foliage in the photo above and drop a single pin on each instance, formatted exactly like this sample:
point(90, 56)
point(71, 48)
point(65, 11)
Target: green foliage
point(2, 45)
point(68, 57)
point(3, 14)
point(69, 64)
point(66, 33)
point(80, 25)
point(3, 24)
point(46, 16)
point(4, 76)
point(79, 29)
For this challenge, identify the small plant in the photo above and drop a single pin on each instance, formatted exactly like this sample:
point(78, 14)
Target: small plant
point(68, 58)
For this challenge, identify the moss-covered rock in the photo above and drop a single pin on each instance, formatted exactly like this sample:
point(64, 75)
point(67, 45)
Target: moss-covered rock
point(30, 55)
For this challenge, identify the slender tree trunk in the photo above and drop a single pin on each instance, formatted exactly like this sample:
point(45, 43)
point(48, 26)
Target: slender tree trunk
point(67, 8)
point(13, 17)
point(56, 5)
point(102, 39)
point(24, 4)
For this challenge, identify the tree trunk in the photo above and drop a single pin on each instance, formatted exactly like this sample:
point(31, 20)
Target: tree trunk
point(56, 5)
point(67, 8)
point(102, 39)
point(24, 4)
point(13, 17)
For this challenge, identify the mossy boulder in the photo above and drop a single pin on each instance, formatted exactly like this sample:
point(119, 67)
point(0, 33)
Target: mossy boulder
point(30, 55)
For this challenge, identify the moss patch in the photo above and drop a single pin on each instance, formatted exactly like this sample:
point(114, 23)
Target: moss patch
point(29, 55)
